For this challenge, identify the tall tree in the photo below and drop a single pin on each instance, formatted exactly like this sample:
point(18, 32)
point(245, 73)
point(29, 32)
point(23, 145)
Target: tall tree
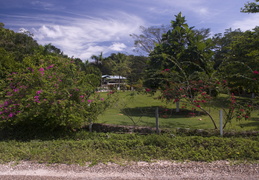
point(237, 58)
point(98, 60)
point(120, 65)
point(183, 51)
point(251, 7)
point(148, 39)
point(138, 66)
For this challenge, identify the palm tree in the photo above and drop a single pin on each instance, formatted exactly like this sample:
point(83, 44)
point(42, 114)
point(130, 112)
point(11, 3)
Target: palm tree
point(98, 60)
point(120, 65)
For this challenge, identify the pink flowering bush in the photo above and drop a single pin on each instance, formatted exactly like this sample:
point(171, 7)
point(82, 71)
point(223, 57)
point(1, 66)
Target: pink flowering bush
point(53, 94)
point(199, 94)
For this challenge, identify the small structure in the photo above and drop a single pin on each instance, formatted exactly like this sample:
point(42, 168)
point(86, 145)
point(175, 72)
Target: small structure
point(110, 82)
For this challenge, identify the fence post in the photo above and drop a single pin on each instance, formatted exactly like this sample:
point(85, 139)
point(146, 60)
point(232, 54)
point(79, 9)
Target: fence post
point(221, 122)
point(177, 106)
point(157, 121)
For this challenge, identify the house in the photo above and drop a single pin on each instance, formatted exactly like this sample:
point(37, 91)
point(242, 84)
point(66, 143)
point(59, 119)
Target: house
point(110, 82)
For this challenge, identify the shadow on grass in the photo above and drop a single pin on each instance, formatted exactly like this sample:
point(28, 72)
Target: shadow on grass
point(163, 112)
point(254, 122)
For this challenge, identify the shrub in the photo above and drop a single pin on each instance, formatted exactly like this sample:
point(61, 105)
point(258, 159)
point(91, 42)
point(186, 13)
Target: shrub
point(50, 95)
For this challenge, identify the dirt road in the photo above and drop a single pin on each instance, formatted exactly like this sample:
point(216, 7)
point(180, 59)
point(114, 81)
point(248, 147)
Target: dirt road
point(160, 170)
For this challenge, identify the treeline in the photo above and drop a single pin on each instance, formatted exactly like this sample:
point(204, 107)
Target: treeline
point(19, 49)
point(41, 86)
point(233, 54)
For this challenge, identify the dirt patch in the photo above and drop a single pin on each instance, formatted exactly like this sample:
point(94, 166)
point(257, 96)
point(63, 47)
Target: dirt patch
point(160, 170)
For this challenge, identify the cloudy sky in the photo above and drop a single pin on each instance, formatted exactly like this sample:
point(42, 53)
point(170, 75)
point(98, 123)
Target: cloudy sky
point(82, 28)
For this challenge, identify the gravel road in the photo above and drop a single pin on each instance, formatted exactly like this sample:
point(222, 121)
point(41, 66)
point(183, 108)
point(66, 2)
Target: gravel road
point(159, 170)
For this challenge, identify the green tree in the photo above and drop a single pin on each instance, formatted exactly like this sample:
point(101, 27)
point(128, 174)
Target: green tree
point(20, 44)
point(120, 65)
point(181, 67)
point(7, 63)
point(236, 57)
point(183, 51)
point(138, 66)
point(98, 60)
point(251, 7)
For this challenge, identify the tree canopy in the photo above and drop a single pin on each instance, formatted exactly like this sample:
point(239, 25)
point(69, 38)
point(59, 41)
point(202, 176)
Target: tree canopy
point(251, 7)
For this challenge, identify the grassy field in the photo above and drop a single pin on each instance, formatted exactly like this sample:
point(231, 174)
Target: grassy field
point(139, 109)
point(82, 146)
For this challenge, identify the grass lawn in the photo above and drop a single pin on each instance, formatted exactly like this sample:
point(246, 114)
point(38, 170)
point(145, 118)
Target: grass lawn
point(140, 108)
point(81, 146)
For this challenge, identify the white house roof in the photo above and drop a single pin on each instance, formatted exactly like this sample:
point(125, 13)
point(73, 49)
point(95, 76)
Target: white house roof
point(113, 77)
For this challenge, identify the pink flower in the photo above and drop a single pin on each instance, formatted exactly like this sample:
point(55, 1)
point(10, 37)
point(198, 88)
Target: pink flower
point(148, 90)
point(6, 103)
point(41, 70)
point(51, 66)
point(30, 69)
point(256, 72)
point(89, 100)
point(11, 115)
point(16, 90)
point(38, 92)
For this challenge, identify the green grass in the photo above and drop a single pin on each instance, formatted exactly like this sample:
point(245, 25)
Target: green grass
point(141, 109)
point(120, 148)
point(81, 146)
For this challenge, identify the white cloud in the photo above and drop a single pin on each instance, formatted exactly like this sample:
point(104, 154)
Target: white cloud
point(50, 32)
point(118, 46)
point(84, 37)
point(246, 23)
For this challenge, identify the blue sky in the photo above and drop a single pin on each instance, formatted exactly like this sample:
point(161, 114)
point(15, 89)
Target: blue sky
point(82, 28)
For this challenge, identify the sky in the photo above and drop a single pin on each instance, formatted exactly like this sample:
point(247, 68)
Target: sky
point(82, 28)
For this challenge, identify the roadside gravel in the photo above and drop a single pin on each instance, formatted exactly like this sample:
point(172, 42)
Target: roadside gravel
point(159, 170)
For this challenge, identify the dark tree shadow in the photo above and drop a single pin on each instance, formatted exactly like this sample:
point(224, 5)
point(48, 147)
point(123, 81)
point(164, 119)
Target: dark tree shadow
point(163, 112)
point(254, 122)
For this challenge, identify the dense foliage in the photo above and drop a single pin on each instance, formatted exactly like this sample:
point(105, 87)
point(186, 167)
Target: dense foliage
point(45, 89)
point(123, 148)
point(187, 66)
point(42, 86)
point(251, 7)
